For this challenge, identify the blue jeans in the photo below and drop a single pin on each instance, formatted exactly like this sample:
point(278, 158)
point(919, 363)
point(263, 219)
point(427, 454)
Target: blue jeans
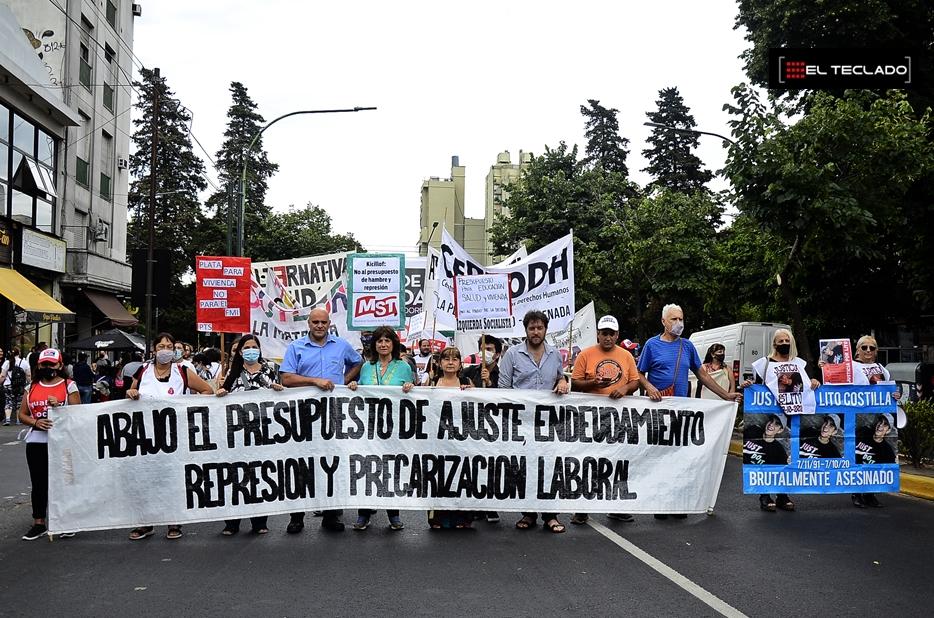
point(85, 393)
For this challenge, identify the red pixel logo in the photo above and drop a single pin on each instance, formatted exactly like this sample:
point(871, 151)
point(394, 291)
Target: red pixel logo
point(795, 69)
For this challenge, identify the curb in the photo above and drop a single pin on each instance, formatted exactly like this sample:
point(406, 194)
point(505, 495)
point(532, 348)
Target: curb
point(915, 485)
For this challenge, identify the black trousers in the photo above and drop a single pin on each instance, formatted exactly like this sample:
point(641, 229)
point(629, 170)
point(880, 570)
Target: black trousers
point(255, 522)
point(37, 458)
point(336, 514)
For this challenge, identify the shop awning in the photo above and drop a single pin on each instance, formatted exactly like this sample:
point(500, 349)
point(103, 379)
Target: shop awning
point(36, 305)
point(112, 308)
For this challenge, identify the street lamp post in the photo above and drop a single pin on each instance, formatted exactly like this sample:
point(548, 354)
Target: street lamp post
point(246, 161)
point(695, 131)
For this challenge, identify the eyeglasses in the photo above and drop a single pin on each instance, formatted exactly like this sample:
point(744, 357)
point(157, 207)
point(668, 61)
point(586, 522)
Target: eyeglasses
point(867, 348)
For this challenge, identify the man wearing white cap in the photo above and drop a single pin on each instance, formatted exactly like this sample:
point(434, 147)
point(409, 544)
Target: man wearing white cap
point(605, 368)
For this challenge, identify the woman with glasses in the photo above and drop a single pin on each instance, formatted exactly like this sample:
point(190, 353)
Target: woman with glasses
point(160, 378)
point(866, 370)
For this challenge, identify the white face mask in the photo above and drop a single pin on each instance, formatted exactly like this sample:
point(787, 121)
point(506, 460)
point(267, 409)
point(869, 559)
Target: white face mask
point(677, 328)
point(488, 357)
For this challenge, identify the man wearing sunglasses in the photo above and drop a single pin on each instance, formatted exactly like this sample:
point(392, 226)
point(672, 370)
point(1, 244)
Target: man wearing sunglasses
point(321, 360)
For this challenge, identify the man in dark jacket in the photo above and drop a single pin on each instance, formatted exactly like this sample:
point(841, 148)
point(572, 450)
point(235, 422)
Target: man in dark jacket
point(83, 377)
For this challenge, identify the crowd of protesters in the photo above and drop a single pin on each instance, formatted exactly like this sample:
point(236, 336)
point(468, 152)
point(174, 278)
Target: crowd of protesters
point(613, 368)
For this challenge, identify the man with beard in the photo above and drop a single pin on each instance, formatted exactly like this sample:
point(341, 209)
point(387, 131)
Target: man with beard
point(421, 360)
point(535, 365)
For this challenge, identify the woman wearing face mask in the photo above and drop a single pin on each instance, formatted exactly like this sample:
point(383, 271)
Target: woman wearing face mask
point(715, 367)
point(384, 367)
point(159, 379)
point(249, 371)
point(50, 388)
point(784, 352)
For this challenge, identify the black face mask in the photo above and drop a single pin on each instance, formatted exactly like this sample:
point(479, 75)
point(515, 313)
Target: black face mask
point(719, 356)
point(783, 348)
point(46, 373)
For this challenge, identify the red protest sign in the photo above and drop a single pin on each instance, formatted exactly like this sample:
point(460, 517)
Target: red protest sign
point(223, 294)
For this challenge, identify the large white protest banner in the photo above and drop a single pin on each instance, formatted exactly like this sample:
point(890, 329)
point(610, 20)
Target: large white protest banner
point(307, 279)
point(196, 458)
point(543, 280)
point(582, 335)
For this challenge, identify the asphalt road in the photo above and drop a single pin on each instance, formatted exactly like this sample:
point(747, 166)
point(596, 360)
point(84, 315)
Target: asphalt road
point(826, 559)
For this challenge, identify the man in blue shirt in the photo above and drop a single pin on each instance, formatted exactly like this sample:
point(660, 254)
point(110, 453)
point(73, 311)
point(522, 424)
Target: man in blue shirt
point(666, 359)
point(535, 365)
point(321, 360)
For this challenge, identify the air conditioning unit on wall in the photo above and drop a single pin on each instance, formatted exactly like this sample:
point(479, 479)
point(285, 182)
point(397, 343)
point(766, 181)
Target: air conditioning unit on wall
point(137, 10)
point(123, 163)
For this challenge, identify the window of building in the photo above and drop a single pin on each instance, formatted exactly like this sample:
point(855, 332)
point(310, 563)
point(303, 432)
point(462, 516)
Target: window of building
point(44, 215)
point(84, 71)
point(24, 134)
point(107, 164)
point(82, 148)
point(22, 207)
point(4, 166)
point(111, 13)
point(45, 152)
point(109, 53)
point(4, 123)
point(109, 97)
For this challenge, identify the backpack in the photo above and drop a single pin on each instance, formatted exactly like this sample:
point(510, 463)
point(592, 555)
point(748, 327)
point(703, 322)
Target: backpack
point(17, 377)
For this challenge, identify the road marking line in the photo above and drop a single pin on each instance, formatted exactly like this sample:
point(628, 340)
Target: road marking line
point(660, 567)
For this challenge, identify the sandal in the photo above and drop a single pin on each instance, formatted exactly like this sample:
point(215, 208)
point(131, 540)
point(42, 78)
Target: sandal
point(141, 533)
point(230, 530)
point(174, 532)
point(767, 504)
point(526, 523)
point(260, 530)
point(362, 523)
point(554, 526)
point(579, 519)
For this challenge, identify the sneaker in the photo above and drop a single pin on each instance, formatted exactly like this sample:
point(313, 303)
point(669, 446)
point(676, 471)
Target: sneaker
point(67, 535)
point(858, 501)
point(579, 519)
point(37, 530)
point(295, 526)
point(620, 517)
point(395, 523)
point(332, 524)
point(362, 523)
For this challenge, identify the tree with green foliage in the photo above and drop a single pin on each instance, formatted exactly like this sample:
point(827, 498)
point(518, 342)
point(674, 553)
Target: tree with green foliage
point(672, 162)
point(840, 24)
point(838, 192)
point(606, 148)
point(243, 123)
point(179, 177)
point(300, 232)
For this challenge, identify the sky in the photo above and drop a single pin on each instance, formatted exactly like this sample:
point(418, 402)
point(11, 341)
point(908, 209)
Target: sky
point(470, 79)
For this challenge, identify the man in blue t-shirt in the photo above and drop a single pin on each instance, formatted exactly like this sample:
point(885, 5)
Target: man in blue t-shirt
point(666, 359)
point(321, 360)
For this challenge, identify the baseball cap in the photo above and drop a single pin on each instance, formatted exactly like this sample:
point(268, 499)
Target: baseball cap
point(834, 418)
point(630, 345)
point(781, 420)
point(49, 355)
point(608, 322)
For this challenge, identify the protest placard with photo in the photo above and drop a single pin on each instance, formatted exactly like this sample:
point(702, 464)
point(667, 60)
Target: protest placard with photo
point(836, 361)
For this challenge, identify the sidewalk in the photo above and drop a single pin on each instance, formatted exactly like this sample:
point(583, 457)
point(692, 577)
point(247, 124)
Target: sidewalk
point(914, 482)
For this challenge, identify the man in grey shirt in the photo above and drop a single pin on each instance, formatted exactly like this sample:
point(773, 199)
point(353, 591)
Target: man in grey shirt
point(534, 365)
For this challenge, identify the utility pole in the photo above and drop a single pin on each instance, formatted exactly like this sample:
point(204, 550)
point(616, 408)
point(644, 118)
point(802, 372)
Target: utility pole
point(153, 162)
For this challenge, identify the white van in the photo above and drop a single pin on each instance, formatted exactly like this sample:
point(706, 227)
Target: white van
point(745, 342)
